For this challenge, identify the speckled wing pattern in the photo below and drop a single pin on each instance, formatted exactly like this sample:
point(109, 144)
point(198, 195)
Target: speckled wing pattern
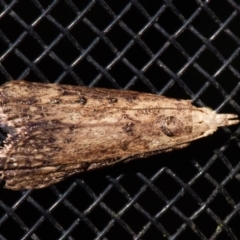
point(54, 131)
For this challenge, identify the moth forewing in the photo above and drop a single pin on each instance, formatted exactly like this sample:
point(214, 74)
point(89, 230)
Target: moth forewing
point(55, 131)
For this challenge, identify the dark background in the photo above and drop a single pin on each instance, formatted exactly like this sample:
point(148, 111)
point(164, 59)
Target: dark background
point(185, 49)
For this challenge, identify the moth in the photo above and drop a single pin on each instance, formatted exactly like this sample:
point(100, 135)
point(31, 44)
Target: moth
point(54, 131)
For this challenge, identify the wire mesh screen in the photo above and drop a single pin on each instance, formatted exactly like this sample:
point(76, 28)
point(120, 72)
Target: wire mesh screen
point(185, 49)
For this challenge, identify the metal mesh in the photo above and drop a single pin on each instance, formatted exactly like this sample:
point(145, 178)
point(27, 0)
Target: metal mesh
point(180, 48)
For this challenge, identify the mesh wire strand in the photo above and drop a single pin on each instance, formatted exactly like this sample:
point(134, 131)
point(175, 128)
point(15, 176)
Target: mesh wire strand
point(182, 49)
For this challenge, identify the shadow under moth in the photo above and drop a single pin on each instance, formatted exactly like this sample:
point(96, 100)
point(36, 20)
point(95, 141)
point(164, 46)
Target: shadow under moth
point(54, 131)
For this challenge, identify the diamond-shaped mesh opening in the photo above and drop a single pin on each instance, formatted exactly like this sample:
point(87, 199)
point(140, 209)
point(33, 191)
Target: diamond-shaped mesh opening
point(182, 49)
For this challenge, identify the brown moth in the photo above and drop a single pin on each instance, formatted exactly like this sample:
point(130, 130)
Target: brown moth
point(54, 131)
